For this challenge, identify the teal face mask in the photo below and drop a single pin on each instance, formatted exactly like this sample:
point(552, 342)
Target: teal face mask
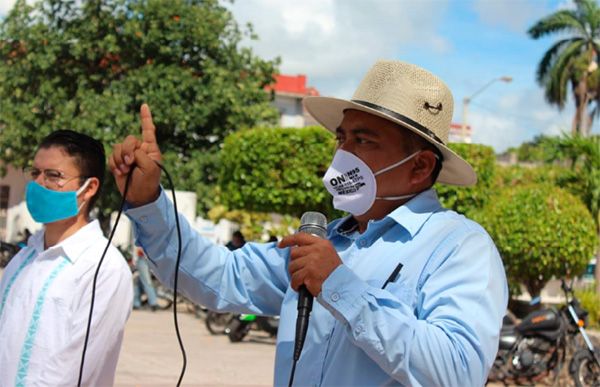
point(48, 206)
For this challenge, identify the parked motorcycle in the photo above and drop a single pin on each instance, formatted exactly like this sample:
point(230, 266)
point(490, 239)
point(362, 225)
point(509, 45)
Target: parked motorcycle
point(538, 346)
point(240, 325)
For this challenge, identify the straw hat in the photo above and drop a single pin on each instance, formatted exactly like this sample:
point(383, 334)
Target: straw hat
point(409, 96)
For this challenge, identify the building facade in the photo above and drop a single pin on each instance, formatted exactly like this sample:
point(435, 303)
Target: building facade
point(289, 91)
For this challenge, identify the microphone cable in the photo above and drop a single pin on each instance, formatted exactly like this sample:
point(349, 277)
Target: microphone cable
point(175, 282)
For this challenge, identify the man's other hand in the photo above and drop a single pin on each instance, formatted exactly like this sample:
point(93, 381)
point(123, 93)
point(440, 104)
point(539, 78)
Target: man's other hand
point(312, 260)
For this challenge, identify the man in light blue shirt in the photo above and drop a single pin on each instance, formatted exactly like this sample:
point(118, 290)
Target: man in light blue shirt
point(408, 293)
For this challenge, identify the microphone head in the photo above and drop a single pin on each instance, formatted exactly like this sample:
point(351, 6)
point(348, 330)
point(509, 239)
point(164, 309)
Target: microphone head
point(313, 223)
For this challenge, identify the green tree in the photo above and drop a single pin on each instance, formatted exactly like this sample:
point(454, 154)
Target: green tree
point(277, 170)
point(541, 231)
point(469, 199)
point(572, 60)
point(89, 65)
point(540, 149)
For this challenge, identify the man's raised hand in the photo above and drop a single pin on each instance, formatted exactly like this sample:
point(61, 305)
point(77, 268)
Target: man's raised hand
point(139, 158)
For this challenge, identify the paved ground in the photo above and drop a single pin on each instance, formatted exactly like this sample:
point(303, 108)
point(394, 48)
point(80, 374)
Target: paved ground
point(150, 355)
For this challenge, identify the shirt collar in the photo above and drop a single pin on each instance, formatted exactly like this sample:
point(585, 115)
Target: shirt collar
point(411, 215)
point(414, 213)
point(74, 246)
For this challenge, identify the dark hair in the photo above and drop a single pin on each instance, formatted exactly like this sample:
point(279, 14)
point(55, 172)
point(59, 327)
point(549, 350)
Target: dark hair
point(88, 154)
point(238, 234)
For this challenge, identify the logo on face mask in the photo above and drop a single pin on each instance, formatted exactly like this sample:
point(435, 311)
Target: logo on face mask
point(48, 206)
point(352, 183)
point(347, 183)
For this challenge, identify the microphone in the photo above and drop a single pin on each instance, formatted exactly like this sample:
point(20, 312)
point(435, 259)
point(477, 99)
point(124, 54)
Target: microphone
point(313, 223)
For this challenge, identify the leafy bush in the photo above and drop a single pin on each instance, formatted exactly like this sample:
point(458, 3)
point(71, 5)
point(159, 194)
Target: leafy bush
point(276, 170)
point(514, 175)
point(590, 301)
point(539, 231)
point(540, 149)
point(468, 199)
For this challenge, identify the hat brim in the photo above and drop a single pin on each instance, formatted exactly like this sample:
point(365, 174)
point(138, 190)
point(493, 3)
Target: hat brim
point(329, 112)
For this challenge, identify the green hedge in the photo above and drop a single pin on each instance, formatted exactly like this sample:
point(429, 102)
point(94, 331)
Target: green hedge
point(280, 170)
point(466, 200)
point(540, 230)
point(276, 170)
point(513, 175)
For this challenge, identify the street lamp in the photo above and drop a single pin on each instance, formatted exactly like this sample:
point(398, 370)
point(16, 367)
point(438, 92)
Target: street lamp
point(466, 101)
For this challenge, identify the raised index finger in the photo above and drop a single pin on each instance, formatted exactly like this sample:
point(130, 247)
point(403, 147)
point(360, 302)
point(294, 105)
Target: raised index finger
point(148, 128)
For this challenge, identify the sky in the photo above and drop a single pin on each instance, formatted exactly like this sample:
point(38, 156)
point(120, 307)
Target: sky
point(467, 43)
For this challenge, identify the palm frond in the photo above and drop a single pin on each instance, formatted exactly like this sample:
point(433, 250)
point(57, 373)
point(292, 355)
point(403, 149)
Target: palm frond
point(589, 13)
point(561, 21)
point(550, 57)
point(557, 79)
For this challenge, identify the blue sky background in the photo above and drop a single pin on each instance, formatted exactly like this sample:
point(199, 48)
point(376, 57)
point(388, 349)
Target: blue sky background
point(465, 42)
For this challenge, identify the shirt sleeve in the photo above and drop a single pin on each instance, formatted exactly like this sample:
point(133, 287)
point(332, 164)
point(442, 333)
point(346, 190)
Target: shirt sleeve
point(112, 306)
point(450, 338)
point(252, 279)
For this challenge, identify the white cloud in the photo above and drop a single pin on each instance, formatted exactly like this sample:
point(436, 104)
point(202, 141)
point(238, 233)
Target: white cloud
point(517, 118)
point(334, 42)
point(515, 15)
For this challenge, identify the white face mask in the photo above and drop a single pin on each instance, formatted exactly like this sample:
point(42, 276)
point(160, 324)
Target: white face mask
point(353, 185)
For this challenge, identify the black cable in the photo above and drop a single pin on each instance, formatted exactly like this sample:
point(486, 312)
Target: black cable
point(292, 373)
point(112, 233)
point(175, 282)
point(89, 324)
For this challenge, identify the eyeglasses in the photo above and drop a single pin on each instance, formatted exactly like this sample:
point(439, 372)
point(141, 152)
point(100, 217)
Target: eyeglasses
point(52, 177)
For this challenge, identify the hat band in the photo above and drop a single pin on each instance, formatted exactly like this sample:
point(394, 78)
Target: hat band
point(400, 117)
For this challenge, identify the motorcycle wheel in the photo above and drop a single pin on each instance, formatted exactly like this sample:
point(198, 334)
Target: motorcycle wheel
point(584, 369)
point(237, 330)
point(216, 322)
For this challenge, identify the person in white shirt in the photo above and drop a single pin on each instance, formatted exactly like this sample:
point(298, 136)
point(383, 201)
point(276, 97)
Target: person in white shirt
point(46, 289)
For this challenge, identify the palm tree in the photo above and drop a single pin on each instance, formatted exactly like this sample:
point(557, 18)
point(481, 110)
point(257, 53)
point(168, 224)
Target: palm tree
point(572, 60)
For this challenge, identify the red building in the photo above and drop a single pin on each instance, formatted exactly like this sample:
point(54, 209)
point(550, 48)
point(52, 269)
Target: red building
point(289, 92)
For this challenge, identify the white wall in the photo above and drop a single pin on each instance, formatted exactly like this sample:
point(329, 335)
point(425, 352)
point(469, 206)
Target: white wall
point(291, 110)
